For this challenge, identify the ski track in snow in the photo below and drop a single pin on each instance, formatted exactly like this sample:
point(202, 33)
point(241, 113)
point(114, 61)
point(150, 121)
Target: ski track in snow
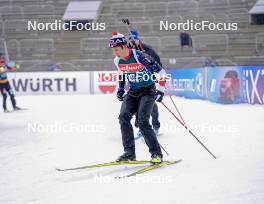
point(28, 159)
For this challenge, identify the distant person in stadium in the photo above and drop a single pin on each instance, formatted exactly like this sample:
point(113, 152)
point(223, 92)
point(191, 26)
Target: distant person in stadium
point(5, 86)
point(134, 35)
point(132, 65)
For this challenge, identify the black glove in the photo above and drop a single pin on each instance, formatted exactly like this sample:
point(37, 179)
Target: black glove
point(159, 96)
point(120, 94)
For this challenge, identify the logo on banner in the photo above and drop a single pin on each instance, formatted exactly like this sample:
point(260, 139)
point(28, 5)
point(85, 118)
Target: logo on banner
point(199, 84)
point(230, 87)
point(45, 85)
point(131, 67)
point(107, 82)
point(254, 85)
point(189, 84)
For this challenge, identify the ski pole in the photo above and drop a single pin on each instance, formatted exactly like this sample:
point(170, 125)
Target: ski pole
point(188, 129)
point(177, 109)
point(164, 149)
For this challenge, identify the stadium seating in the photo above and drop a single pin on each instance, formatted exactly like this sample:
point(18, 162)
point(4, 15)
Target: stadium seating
point(181, 7)
point(128, 9)
point(170, 44)
point(155, 9)
point(1, 28)
point(39, 48)
point(18, 29)
point(260, 43)
point(211, 44)
point(14, 49)
point(249, 60)
point(93, 64)
point(85, 50)
point(11, 12)
point(39, 11)
point(184, 62)
point(94, 48)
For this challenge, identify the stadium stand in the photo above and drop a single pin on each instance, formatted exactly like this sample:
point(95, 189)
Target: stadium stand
point(83, 50)
point(260, 43)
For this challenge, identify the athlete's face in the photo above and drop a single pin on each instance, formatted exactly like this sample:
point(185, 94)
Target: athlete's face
point(120, 51)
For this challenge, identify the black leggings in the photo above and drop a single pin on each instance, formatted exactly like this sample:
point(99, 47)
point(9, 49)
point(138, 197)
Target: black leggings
point(154, 116)
point(142, 105)
point(4, 89)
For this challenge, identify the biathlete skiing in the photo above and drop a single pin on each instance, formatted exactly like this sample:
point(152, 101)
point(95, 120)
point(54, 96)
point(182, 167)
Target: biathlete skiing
point(139, 70)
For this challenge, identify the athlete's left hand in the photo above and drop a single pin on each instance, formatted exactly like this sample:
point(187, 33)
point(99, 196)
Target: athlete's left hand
point(159, 95)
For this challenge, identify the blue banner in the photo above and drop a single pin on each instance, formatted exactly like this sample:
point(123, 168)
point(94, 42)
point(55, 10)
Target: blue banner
point(188, 83)
point(234, 84)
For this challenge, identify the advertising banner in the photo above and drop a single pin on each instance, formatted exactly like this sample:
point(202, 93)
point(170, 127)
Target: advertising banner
point(105, 82)
point(253, 84)
point(189, 83)
point(228, 85)
point(224, 84)
point(234, 84)
point(46, 83)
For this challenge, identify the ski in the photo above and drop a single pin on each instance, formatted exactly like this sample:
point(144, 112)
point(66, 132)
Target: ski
point(13, 111)
point(141, 137)
point(113, 163)
point(150, 168)
point(20, 109)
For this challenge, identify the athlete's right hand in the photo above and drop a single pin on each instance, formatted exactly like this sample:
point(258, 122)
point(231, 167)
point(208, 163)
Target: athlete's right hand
point(120, 94)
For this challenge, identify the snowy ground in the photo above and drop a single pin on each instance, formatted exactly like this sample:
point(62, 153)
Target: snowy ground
point(28, 159)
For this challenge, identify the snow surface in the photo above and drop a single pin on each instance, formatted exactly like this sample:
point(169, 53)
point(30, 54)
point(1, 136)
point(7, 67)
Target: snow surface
point(28, 159)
